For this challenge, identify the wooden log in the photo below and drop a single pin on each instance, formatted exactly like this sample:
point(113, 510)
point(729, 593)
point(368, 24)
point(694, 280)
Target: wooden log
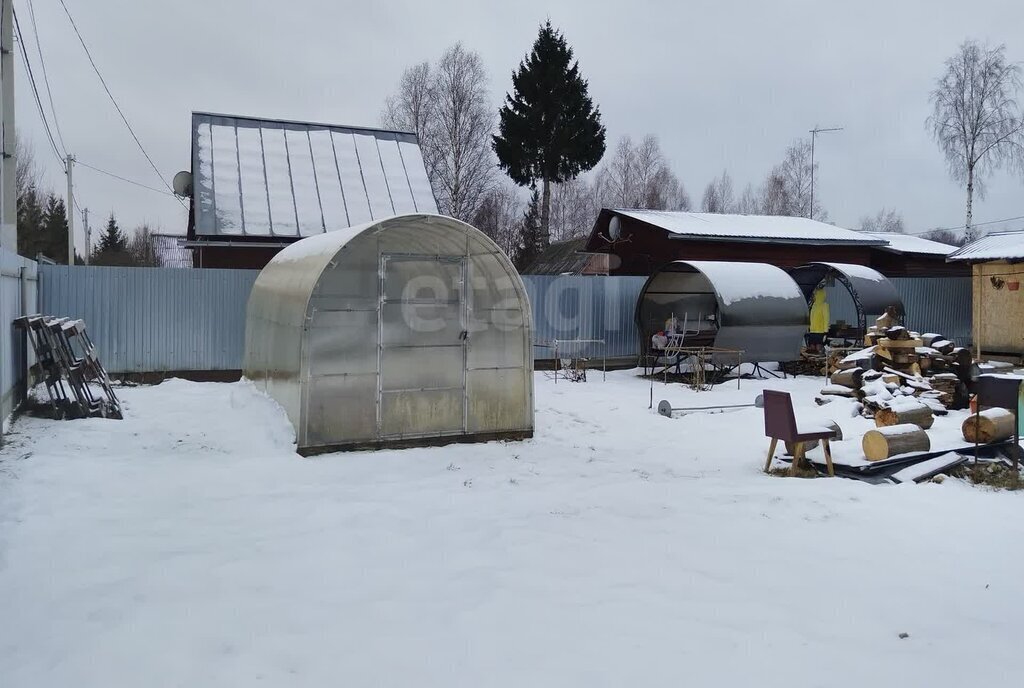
point(884, 443)
point(838, 391)
point(898, 332)
point(929, 337)
point(918, 414)
point(990, 425)
point(943, 346)
point(848, 378)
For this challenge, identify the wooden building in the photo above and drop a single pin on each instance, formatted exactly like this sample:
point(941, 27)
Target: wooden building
point(638, 242)
point(997, 268)
point(258, 185)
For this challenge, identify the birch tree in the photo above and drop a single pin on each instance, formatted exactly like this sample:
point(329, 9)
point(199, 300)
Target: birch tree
point(975, 119)
point(718, 195)
point(885, 220)
point(639, 176)
point(448, 107)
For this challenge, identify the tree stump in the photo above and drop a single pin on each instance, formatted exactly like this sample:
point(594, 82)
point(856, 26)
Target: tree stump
point(990, 425)
point(886, 442)
point(919, 415)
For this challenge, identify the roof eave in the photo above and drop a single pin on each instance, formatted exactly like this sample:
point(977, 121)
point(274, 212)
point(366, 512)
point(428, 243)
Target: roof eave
point(771, 240)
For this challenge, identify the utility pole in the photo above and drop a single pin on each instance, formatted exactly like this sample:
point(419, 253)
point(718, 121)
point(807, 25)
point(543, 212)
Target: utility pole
point(88, 235)
point(814, 133)
point(8, 166)
point(70, 166)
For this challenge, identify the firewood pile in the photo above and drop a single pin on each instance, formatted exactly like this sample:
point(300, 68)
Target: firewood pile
point(902, 377)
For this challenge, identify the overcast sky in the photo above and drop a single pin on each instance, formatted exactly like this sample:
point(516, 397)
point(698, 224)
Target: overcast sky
point(724, 85)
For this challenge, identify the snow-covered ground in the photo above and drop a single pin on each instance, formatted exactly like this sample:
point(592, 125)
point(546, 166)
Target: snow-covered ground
point(188, 546)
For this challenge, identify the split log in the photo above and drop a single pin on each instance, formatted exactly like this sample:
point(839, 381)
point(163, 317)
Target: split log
point(898, 332)
point(838, 391)
point(944, 346)
point(848, 378)
point(884, 443)
point(990, 425)
point(918, 414)
point(929, 337)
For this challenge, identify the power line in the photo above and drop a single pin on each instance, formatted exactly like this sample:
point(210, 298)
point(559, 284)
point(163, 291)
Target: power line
point(123, 179)
point(46, 78)
point(114, 101)
point(35, 90)
point(973, 224)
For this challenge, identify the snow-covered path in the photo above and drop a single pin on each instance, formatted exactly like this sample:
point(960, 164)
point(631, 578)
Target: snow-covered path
point(188, 546)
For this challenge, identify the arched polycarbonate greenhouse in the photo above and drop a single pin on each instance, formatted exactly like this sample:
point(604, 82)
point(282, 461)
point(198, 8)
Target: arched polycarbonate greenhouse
point(411, 330)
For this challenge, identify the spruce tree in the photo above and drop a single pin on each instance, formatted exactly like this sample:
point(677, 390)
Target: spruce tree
point(55, 229)
point(549, 129)
point(30, 223)
point(529, 239)
point(112, 240)
point(112, 248)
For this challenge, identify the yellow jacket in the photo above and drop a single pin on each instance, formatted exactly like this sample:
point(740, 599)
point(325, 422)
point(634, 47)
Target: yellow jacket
point(820, 316)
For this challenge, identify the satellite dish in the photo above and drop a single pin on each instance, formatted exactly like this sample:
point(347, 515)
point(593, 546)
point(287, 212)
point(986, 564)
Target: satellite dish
point(614, 228)
point(182, 184)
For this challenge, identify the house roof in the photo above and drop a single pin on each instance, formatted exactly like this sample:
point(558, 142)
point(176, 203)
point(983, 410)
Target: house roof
point(995, 246)
point(560, 258)
point(278, 178)
point(908, 243)
point(756, 228)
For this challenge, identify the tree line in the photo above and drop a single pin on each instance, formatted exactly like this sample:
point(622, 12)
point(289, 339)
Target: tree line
point(548, 137)
point(43, 225)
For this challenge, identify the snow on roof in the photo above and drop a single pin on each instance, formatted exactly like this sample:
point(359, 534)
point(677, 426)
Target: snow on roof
point(260, 177)
point(908, 243)
point(755, 227)
point(735, 282)
point(995, 246)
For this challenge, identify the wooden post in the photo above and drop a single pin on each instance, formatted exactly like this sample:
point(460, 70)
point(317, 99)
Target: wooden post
point(771, 455)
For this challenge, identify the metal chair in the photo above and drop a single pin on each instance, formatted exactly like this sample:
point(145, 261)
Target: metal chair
point(780, 424)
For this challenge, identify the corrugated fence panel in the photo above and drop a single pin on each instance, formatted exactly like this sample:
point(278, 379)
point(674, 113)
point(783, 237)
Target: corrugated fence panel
point(938, 304)
point(154, 319)
point(570, 307)
point(932, 304)
point(18, 292)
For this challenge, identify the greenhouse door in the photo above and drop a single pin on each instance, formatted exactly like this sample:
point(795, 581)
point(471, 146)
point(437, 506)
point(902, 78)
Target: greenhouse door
point(423, 339)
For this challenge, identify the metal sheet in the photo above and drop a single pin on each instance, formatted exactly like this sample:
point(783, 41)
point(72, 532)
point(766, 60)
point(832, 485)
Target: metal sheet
point(154, 319)
point(758, 309)
point(585, 307)
point(870, 288)
point(18, 296)
point(313, 177)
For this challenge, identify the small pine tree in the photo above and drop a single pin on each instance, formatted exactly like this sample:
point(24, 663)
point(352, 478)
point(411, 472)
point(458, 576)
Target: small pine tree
point(549, 129)
point(112, 248)
point(530, 237)
point(54, 240)
point(112, 239)
point(30, 223)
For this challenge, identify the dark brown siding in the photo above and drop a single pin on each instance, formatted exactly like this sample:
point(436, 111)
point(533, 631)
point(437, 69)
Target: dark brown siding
point(239, 257)
point(643, 248)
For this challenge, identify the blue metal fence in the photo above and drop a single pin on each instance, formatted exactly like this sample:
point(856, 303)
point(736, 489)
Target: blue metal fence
point(155, 320)
point(932, 304)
